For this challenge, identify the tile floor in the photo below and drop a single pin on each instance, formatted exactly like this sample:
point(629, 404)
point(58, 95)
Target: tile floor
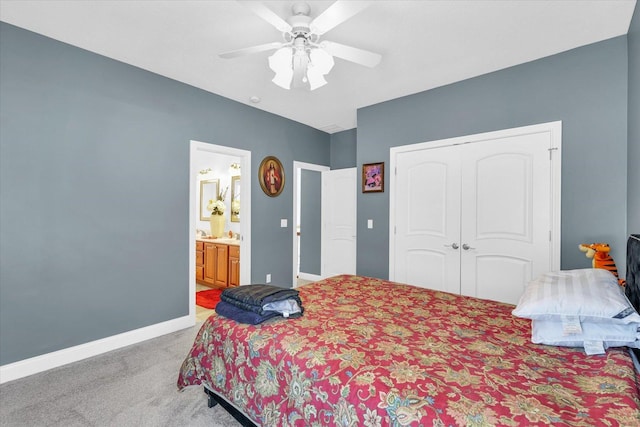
point(201, 312)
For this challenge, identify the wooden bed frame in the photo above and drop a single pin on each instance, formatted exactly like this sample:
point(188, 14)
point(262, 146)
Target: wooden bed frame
point(214, 399)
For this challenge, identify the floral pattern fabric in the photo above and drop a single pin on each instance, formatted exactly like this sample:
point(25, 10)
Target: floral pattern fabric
point(369, 352)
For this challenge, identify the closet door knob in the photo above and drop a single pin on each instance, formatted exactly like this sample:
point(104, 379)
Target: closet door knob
point(466, 247)
point(453, 245)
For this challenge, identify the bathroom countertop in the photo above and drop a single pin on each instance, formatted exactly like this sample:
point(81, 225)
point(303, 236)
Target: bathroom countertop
point(224, 240)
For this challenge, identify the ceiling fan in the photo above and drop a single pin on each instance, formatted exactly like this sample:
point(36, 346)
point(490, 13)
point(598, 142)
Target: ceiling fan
point(302, 59)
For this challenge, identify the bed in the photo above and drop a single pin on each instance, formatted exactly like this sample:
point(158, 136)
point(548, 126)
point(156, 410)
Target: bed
point(370, 352)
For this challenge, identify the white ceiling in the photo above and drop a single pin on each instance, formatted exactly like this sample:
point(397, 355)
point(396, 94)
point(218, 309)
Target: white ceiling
point(424, 44)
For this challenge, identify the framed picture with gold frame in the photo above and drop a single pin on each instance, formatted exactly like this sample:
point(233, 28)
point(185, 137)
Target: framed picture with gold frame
point(271, 176)
point(373, 178)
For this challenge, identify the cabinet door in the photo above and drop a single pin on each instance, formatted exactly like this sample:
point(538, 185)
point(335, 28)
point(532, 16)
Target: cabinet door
point(209, 263)
point(234, 266)
point(199, 262)
point(221, 260)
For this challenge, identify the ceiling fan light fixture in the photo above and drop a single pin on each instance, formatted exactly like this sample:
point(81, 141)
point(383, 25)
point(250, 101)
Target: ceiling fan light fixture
point(319, 65)
point(281, 64)
point(303, 60)
point(321, 60)
point(315, 78)
point(283, 79)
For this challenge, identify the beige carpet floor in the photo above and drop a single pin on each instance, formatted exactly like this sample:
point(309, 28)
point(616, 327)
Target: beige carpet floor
point(132, 386)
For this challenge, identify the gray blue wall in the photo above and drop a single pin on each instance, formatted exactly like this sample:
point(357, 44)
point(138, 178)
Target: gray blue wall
point(586, 88)
point(311, 222)
point(94, 192)
point(94, 174)
point(343, 149)
point(633, 181)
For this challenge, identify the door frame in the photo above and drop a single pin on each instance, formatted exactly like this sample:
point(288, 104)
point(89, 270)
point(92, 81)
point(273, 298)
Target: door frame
point(196, 148)
point(555, 156)
point(296, 186)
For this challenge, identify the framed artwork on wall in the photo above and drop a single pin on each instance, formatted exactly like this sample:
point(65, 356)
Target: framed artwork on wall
point(373, 177)
point(271, 176)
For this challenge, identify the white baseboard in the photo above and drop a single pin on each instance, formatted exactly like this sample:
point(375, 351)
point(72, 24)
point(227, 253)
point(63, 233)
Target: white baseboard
point(34, 365)
point(307, 276)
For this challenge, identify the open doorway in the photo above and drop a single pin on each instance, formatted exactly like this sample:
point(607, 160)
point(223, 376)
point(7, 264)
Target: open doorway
point(220, 168)
point(307, 220)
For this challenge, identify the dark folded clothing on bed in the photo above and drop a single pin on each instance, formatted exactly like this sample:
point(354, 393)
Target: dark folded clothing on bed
point(243, 316)
point(255, 297)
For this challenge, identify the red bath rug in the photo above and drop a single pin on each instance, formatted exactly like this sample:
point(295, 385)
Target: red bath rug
point(208, 298)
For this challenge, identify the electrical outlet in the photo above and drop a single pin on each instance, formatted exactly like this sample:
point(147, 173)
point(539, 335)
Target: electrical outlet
point(268, 278)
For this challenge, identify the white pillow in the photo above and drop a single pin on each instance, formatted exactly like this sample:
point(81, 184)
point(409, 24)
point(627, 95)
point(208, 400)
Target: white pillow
point(574, 296)
point(603, 335)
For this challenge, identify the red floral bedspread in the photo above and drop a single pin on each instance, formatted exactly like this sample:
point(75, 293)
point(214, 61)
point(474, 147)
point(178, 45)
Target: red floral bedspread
point(369, 352)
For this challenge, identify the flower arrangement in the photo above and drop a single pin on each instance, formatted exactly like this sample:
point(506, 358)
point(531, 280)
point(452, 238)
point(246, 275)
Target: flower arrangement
point(235, 207)
point(217, 207)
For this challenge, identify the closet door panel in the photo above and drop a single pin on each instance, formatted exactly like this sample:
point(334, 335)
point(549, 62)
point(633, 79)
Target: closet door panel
point(506, 286)
point(505, 215)
point(503, 197)
point(426, 268)
point(428, 219)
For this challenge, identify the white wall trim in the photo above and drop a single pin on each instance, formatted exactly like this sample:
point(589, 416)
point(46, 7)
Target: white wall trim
point(555, 131)
point(34, 365)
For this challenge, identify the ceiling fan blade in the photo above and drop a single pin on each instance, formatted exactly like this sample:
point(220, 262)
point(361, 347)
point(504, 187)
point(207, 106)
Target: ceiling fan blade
point(353, 54)
point(336, 14)
point(267, 14)
point(252, 49)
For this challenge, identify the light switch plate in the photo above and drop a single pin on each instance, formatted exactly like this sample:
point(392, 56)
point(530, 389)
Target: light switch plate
point(283, 222)
point(369, 223)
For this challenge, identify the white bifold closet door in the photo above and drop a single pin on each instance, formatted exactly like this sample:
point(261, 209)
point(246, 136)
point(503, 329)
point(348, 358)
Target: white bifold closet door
point(474, 218)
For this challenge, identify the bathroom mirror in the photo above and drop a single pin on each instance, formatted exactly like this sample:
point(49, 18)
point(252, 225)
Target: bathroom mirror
point(208, 191)
point(235, 199)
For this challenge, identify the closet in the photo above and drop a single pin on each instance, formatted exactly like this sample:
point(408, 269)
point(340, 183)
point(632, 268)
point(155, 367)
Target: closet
point(477, 215)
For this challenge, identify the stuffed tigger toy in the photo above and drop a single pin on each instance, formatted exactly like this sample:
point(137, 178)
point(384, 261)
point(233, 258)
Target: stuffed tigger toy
point(599, 253)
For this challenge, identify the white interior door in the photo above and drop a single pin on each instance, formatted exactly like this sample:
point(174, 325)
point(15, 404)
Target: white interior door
point(339, 222)
point(427, 217)
point(506, 215)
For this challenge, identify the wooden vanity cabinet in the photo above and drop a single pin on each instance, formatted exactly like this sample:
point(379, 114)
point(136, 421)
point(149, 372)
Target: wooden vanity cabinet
point(199, 262)
point(234, 265)
point(217, 264)
point(220, 272)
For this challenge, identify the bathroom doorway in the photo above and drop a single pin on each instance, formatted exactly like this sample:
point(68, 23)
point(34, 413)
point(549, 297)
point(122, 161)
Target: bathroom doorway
point(204, 156)
point(307, 234)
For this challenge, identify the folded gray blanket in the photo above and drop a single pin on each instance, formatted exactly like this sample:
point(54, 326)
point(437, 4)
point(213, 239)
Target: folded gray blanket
point(255, 297)
point(242, 316)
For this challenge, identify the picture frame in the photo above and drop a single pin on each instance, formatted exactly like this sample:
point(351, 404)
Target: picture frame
point(271, 176)
point(373, 177)
point(208, 191)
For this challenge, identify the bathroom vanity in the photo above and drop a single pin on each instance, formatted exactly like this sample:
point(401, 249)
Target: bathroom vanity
point(218, 262)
